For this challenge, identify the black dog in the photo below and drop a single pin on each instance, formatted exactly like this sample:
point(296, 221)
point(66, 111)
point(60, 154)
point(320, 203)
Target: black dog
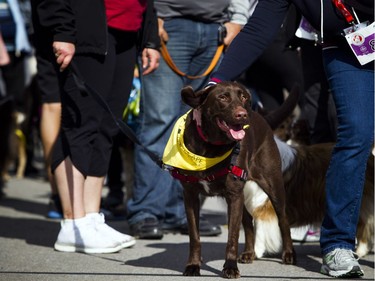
point(217, 148)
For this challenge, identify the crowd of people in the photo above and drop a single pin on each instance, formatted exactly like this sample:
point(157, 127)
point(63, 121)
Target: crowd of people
point(80, 55)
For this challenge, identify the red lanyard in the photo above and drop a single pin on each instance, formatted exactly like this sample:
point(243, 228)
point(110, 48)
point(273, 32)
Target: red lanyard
point(344, 11)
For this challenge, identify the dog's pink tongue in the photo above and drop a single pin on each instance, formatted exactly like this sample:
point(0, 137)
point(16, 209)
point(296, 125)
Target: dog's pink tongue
point(237, 135)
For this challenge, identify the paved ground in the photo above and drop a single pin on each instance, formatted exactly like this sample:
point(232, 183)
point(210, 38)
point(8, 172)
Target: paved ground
point(27, 238)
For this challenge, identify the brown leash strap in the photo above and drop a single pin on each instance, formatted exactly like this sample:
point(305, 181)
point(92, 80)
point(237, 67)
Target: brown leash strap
point(171, 64)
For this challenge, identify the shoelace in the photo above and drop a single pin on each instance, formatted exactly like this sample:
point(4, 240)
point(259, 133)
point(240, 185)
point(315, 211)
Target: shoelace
point(345, 256)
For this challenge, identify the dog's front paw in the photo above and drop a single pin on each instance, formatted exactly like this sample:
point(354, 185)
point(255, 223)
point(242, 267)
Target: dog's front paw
point(289, 257)
point(246, 257)
point(230, 270)
point(192, 270)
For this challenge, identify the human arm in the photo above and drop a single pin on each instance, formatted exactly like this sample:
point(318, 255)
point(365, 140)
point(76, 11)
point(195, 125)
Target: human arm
point(162, 32)
point(239, 14)
point(54, 22)
point(150, 60)
point(150, 40)
point(64, 53)
point(255, 36)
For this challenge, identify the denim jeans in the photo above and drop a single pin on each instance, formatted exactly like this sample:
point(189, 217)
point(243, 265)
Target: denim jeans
point(192, 46)
point(352, 87)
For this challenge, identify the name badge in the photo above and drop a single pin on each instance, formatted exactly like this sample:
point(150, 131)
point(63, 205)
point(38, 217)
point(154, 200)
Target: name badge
point(361, 40)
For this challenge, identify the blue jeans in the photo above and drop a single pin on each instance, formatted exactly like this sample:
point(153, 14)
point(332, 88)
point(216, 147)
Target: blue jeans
point(156, 194)
point(352, 87)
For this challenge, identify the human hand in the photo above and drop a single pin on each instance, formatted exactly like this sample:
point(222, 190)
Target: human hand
point(232, 30)
point(150, 60)
point(64, 53)
point(162, 32)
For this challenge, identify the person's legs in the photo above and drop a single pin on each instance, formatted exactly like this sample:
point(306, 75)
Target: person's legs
point(48, 86)
point(206, 46)
point(156, 196)
point(353, 92)
point(83, 228)
point(70, 182)
point(112, 205)
point(83, 151)
point(160, 105)
point(49, 130)
point(117, 100)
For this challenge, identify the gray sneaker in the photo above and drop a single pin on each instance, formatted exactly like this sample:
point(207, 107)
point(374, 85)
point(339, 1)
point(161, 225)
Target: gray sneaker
point(341, 263)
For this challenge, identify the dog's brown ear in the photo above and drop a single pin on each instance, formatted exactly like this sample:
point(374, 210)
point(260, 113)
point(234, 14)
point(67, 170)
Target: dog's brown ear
point(194, 99)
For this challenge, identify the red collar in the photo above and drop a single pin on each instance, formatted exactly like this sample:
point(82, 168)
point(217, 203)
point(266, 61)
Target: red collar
point(235, 170)
point(203, 137)
point(198, 122)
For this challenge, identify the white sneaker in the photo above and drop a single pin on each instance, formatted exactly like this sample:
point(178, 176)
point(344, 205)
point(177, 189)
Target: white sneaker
point(79, 235)
point(305, 233)
point(298, 234)
point(341, 263)
point(125, 240)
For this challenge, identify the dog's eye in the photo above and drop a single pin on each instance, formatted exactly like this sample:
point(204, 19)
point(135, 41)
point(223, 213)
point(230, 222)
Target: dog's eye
point(223, 97)
point(243, 98)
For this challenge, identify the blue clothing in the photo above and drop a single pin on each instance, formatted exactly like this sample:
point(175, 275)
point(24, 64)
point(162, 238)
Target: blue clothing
point(352, 88)
point(13, 28)
point(353, 92)
point(192, 46)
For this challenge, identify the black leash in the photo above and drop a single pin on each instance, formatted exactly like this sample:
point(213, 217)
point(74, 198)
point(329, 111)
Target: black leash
point(124, 128)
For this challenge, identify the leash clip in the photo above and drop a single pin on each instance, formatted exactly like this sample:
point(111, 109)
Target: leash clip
point(166, 167)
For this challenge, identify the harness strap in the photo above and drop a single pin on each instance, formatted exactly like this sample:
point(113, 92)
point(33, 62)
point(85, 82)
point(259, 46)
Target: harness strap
point(236, 171)
point(189, 178)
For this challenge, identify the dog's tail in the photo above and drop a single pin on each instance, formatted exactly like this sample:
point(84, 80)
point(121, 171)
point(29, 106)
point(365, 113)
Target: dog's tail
point(277, 116)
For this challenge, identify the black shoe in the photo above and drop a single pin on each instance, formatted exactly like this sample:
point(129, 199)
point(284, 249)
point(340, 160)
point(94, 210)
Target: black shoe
point(148, 228)
point(206, 228)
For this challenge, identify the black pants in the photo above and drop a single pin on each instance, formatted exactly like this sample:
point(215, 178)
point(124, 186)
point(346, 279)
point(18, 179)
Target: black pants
point(86, 129)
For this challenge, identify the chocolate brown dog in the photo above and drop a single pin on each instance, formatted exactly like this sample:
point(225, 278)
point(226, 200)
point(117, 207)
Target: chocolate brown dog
point(217, 148)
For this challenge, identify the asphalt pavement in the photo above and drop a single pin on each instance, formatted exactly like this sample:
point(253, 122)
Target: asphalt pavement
point(27, 238)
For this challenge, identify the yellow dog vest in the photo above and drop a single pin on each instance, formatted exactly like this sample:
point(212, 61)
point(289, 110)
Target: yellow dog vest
point(177, 155)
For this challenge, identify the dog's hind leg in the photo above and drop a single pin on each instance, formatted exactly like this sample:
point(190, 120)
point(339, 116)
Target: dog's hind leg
point(248, 254)
point(192, 203)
